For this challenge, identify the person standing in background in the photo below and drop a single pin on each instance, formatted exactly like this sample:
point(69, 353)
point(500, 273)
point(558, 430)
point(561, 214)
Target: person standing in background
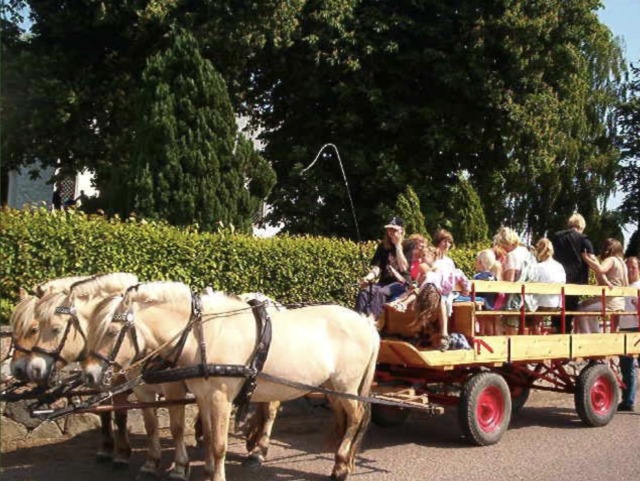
point(56, 199)
point(569, 245)
point(629, 323)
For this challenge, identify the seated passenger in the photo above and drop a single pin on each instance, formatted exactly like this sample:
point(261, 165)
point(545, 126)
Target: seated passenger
point(549, 270)
point(519, 265)
point(390, 264)
point(431, 304)
point(611, 272)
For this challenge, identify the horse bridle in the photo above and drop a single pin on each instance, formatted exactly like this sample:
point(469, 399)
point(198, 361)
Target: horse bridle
point(56, 354)
point(109, 362)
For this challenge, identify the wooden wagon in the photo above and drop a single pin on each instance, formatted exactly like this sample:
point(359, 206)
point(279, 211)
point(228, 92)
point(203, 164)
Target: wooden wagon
point(493, 379)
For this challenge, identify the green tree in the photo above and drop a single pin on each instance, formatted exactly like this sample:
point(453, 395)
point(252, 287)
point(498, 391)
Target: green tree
point(191, 164)
point(408, 207)
point(519, 94)
point(629, 174)
point(77, 71)
point(469, 224)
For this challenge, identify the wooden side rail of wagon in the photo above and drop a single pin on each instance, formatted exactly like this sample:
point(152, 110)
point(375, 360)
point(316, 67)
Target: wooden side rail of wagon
point(562, 290)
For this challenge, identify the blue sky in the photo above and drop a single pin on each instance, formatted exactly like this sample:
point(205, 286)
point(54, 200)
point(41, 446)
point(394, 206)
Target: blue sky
point(623, 19)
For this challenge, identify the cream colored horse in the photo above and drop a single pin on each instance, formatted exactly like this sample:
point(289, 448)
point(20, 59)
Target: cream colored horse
point(24, 326)
point(259, 427)
point(327, 346)
point(62, 340)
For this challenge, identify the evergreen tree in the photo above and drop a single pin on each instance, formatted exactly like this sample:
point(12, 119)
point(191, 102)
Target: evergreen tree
point(191, 163)
point(408, 207)
point(633, 249)
point(467, 219)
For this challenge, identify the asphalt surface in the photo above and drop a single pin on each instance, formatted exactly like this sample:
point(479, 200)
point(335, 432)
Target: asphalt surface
point(546, 441)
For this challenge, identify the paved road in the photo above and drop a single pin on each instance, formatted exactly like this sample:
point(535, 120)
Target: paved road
point(546, 442)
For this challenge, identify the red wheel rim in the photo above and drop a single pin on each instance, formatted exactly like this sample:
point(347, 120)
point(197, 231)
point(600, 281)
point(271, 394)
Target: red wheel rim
point(490, 409)
point(602, 395)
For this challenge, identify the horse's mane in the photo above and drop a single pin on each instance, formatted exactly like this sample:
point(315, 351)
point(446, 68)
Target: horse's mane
point(22, 313)
point(102, 317)
point(156, 292)
point(179, 294)
point(63, 284)
point(45, 308)
point(103, 284)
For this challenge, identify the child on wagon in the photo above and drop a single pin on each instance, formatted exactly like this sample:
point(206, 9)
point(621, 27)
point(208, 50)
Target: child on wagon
point(434, 300)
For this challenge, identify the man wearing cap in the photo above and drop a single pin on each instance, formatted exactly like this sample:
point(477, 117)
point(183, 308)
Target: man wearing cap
point(390, 264)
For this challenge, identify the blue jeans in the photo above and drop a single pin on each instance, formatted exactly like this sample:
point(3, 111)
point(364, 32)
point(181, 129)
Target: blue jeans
point(371, 299)
point(629, 371)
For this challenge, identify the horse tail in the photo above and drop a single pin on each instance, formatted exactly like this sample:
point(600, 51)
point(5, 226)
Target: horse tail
point(365, 390)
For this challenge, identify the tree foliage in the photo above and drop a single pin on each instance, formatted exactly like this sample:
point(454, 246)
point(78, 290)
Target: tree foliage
point(191, 163)
point(519, 94)
point(469, 223)
point(408, 208)
point(629, 174)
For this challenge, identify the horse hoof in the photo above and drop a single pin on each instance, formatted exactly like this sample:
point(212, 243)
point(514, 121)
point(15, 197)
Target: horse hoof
point(120, 464)
point(180, 476)
point(147, 476)
point(253, 461)
point(103, 457)
point(342, 476)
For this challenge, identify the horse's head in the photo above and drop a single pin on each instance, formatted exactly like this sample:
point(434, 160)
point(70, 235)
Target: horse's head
point(24, 329)
point(63, 319)
point(108, 346)
point(56, 342)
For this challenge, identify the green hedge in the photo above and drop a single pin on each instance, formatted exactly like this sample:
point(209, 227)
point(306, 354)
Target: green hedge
point(37, 245)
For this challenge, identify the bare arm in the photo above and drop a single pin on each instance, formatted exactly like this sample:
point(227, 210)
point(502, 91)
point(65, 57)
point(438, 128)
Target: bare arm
point(595, 266)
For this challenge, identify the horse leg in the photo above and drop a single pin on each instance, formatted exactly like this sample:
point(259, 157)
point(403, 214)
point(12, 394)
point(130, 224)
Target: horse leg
point(356, 421)
point(105, 451)
point(220, 416)
point(259, 434)
point(122, 448)
point(204, 406)
point(180, 471)
point(151, 467)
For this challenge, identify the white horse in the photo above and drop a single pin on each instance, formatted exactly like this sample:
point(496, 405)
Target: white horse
point(62, 339)
point(24, 326)
point(258, 428)
point(328, 346)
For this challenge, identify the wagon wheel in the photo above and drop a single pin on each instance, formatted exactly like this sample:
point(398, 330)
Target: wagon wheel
point(596, 395)
point(485, 408)
point(388, 416)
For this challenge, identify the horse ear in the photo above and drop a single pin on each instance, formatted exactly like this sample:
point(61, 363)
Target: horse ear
point(22, 293)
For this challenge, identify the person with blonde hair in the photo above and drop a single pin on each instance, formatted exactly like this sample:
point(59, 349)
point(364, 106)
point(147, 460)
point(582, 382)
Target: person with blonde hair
point(516, 253)
point(549, 270)
point(569, 245)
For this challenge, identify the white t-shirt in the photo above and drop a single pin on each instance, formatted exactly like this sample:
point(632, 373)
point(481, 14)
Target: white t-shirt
point(515, 259)
point(629, 321)
point(550, 271)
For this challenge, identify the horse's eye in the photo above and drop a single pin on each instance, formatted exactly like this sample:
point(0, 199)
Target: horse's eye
point(112, 331)
point(56, 330)
point(33, 331)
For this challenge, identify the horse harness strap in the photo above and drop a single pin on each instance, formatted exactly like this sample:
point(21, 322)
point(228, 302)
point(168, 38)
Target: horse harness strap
point(72, 321)
point(249, 371)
